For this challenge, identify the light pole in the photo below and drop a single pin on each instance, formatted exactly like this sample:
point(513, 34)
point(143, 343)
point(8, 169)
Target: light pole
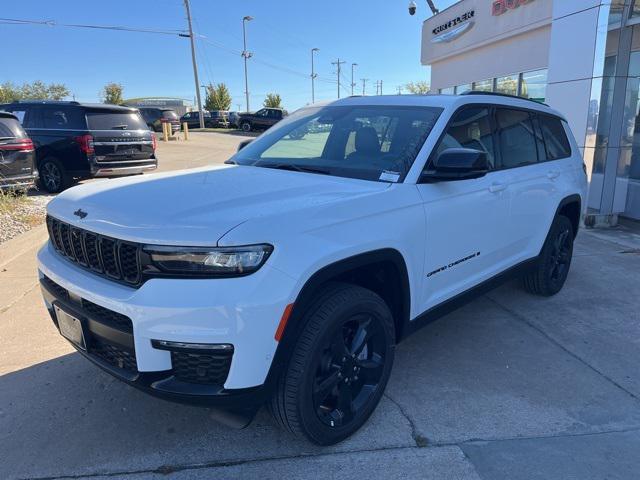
point(353, 65)
point(313, 76)
point(195, 65)
point(246, 55)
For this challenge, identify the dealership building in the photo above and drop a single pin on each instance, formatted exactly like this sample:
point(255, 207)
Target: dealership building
point(582, 57)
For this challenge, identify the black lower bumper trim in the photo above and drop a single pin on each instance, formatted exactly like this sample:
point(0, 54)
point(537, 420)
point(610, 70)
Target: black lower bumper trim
point(238, 406)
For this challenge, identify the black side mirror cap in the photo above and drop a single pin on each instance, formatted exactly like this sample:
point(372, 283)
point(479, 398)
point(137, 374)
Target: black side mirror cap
point(457, 164)
point(244, 143)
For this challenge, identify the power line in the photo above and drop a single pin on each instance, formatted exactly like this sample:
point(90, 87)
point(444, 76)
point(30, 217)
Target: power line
point(53, 23)
point(338, 63)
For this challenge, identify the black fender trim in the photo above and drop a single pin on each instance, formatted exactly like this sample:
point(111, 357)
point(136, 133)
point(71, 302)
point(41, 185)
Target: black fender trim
point(574, 198)
point(308, 292)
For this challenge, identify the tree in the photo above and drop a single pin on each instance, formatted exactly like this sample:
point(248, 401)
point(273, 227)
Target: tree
point(418, 88)
point(112, 93)
point(37, 90)
point(218, 97)
point(273, 100)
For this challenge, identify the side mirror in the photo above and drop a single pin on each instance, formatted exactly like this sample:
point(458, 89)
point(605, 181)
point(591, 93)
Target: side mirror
point(244, 143)
point(457, 164)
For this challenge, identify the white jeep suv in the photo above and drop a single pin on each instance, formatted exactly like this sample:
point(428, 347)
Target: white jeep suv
point(288, 275)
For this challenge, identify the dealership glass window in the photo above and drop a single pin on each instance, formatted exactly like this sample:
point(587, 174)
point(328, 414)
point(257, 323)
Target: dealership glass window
point(533, 85)
point(508, 84)
point(463, 88)
point(483, 86)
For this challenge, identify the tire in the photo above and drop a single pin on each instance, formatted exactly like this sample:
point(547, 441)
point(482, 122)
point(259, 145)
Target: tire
point(548, 276)
point(53, 176)
point(245, 126)
point(331, 352)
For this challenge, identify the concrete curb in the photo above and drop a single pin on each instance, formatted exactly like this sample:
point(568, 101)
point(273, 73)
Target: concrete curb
point(17, 246)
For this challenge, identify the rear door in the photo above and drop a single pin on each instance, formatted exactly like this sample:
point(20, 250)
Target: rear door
point(533, 180)
point(467, 220)
point(119, 135)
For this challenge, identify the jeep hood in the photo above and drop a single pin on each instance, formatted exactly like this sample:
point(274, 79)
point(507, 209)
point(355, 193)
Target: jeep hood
point(197, 207)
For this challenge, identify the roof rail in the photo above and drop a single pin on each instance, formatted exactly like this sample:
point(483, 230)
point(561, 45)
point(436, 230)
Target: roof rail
point(55, 102)
point(480, 92)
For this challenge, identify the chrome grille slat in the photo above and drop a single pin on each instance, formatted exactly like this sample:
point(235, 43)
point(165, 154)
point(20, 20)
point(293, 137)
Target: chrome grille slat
point(115, 259)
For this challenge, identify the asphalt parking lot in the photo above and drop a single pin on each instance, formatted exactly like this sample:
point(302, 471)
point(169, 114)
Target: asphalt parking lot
point(511, 386)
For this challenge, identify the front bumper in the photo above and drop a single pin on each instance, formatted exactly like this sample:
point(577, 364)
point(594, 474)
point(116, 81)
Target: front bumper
point(243, 312)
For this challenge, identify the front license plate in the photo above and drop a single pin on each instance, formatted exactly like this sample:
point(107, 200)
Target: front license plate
point(70, 328)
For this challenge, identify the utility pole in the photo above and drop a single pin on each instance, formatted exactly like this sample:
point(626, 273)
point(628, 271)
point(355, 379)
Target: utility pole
point(313, 76)
point(364, 86)
point(195, 65)
point(338, 63)
point(246, 55)
point(380, 87)
point(377, 87)
point(399, 90)
point(353, 84)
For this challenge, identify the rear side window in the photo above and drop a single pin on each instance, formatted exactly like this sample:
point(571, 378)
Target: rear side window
point(114, 120)
point(555, 137)
point(10, 128)
point(62, 118)
point(470, 128)
point(516, 138)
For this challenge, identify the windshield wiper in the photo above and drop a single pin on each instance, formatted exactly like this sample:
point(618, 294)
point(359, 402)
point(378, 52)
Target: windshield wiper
point(124, 126)
point(293, 168)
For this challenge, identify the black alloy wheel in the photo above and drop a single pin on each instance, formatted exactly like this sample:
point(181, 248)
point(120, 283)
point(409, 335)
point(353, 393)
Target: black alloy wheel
point(552, 268)
point(349, 370)
point(339, 367)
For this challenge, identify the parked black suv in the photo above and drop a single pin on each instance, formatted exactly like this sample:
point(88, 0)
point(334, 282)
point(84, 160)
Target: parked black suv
point(213, 119)
point(17, 155)
point(155, 117)
point(260, 120)
point(75, 140)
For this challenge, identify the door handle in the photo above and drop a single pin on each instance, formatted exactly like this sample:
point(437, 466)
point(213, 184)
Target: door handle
point(553, 174)
point(497, 187)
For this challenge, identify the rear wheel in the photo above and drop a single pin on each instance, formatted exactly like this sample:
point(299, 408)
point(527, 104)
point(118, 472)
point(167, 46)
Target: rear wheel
point(339, 368)
point(548, 276)
point(53, 176)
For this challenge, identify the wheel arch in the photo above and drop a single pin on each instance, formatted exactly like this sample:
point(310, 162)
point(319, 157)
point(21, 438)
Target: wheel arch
point(383, 271)
point(571, 207)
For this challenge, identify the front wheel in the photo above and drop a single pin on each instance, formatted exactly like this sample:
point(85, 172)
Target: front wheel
point(246, 126)
point(339, 367)
point(548, 276)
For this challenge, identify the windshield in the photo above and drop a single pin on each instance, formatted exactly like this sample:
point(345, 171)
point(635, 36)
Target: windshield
point(367, 142)
point(115, 120)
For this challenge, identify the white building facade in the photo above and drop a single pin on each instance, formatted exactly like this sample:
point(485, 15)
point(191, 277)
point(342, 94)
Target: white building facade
point(582, 57)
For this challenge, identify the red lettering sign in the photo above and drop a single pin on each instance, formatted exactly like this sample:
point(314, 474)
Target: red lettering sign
point(498, 7)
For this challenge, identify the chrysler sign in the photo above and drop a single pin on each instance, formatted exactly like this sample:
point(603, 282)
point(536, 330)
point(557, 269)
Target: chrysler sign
point(453, 28)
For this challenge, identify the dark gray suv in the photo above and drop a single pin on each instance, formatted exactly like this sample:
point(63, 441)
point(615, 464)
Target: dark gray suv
point(17, 155)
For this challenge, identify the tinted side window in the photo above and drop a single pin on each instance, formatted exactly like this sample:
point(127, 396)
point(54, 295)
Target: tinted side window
point(10, 128)
point(555, 137)
point(62, 118)
point(516, 139)
point(470, 128)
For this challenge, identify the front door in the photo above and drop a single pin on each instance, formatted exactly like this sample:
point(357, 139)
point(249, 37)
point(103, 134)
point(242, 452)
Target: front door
point(467, 220)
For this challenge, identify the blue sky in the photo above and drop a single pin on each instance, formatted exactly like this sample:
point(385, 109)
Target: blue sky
point(378, 35)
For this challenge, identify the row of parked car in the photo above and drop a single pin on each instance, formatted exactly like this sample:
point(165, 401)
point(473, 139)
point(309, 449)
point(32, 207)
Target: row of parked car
point(57, 143)
point(262, 119)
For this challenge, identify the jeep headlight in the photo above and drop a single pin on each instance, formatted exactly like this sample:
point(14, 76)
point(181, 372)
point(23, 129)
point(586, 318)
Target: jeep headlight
point(208, 261)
